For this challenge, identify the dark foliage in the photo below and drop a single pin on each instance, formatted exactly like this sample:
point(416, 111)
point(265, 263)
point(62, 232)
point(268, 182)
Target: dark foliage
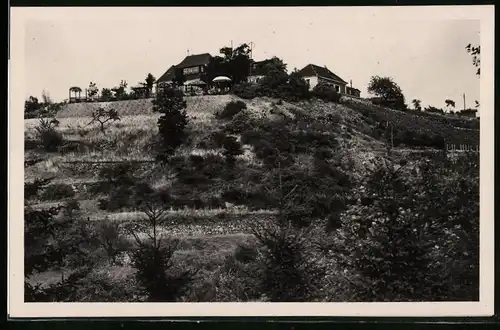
point(232, 149)
point(56, 192)
point(326, 93)
point(171, 125)
point(231, 109)
point(399, 244)
point(49, 136)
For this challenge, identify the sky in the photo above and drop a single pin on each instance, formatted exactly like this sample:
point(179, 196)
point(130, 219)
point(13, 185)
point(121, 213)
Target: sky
point(425, 56)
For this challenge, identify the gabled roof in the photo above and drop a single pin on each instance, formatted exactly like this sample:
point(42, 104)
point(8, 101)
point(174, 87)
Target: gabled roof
point(315, 70)
point(194, 60)
point(169, 75)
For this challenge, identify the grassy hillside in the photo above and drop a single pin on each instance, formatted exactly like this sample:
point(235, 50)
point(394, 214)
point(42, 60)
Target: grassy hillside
point(214, 208)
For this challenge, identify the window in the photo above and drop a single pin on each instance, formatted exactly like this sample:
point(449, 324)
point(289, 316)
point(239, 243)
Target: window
point(191, 70)
point(337, 88)
point(308, 82)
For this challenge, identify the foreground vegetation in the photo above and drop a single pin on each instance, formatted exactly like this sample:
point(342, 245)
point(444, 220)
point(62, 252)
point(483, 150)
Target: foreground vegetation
point(260, 200)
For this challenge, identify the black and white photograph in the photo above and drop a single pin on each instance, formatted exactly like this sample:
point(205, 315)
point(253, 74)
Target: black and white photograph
point(308, 155)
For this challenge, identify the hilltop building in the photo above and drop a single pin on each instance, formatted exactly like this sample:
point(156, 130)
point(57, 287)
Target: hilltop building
point(193, 67)
point(315, 74)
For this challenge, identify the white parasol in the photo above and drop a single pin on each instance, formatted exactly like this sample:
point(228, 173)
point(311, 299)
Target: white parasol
point(221, 79)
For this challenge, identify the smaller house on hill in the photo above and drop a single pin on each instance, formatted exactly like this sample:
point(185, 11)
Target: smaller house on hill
point(353, 91)
point(314, 75)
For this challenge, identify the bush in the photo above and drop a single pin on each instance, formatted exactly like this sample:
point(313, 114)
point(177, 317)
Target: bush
point(397, 246)
point(172, 123)
point(231, 109)
point(245, 253)
point(246, 90)
point(156, 274)
point(58, 191)
point(240, 123)
point(232, 148)
point(290, 273)
point(326, 93)
point(51, 139)
point(111, 239)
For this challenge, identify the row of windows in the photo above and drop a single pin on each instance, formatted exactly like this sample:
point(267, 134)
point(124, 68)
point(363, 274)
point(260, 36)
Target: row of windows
point(193, 70)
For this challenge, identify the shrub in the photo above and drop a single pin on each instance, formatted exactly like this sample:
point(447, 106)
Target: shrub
point(231, 109)
point(240, 123)
point(173, 121)
point(245, 253)
point(47, 133)
point(326, 93)
point(397, 245)
point(31, 189)
point(246, 90)
point(156, 276)
point(232, 148)
point(290, 273)
point(111, 239)
point(58, 191)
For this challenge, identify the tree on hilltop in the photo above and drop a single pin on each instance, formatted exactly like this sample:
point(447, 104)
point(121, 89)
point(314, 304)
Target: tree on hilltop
point(450, 103)
point(417, 104)
point(388, 90)
point(475, 52)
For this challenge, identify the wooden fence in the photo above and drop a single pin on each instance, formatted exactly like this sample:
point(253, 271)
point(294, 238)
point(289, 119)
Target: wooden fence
point(462, 147)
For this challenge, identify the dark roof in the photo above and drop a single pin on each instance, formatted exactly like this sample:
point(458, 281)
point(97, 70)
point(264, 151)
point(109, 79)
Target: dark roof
point(168, 75)
point(352, 88)
point(194, 60)
point(315, 70)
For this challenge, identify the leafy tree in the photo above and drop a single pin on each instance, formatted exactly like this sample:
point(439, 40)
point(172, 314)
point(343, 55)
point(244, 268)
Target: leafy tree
point(46, 97)
point(216, 67)
point(92, 91)
point(31, 107)
point(388, 90)
point(106, 94)
point(239, 63)
point(449, 103)
point(149, 83)
point(297, 88)
point(276, 75)
point(120, 91)
point(417, 104)
point(171, 124)
point(103, 116)
point(475, 52)
point(47, 133)
point(55, 241)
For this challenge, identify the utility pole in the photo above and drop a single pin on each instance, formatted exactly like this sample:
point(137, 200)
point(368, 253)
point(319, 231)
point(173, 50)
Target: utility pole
point(464, 101)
